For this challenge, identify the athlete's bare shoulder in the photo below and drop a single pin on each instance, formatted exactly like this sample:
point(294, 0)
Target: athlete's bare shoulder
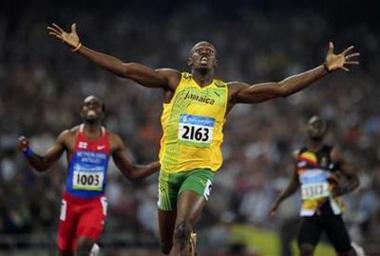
point(173, 76)
point(72, 131)
point(67, 137)
point(116, 143)
point(234, 88)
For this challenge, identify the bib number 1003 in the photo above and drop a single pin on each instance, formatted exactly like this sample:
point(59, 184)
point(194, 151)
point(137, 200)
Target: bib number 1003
point(87, 181)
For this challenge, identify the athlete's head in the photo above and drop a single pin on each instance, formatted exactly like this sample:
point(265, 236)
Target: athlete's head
point(93, 109)
point(316, 128)
point(202, 56)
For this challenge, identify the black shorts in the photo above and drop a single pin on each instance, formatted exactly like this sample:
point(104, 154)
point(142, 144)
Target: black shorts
point(313, 226)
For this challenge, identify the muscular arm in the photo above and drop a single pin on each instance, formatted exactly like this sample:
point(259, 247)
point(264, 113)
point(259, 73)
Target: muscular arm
point(146, 76)
point(348, 171)
point(265, 91)
point(125, 165)
point(44, 162)
point(244, 93)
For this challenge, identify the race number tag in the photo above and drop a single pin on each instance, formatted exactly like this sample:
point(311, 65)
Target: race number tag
point(196, 129)
point(88, 179)
point(315, 190)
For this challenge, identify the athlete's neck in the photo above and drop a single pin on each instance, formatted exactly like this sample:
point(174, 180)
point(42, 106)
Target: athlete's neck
point(314, 145)
point(92, 129)
point(203, 77)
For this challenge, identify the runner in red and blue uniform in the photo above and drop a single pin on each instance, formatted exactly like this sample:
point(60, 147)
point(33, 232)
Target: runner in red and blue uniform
point(84, 206)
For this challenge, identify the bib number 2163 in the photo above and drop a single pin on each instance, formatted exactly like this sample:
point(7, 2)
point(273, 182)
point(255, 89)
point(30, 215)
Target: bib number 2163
point(196, 129)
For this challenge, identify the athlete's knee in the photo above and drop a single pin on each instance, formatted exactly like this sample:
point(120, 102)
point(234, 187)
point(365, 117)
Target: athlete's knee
point(182, 232)
point(84, 246)
point(166, 247)
point(306, 249)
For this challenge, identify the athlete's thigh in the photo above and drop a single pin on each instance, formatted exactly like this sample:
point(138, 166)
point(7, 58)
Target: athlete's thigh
point(166, 223)
point(189, 207)
point(310, 231)
point(92, 219)
point(66, 227)
point(193, 195)
point(337, 233)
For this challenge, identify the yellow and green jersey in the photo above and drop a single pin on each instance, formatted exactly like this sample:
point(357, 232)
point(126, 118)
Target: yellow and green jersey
point(192, 125)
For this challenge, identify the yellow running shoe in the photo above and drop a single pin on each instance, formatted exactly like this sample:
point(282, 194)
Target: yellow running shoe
point(193, 244)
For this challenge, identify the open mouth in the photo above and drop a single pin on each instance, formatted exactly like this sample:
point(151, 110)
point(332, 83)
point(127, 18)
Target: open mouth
point(204, 60)
point(91, 113)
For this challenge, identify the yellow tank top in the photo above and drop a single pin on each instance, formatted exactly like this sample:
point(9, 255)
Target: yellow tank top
point(192, 125)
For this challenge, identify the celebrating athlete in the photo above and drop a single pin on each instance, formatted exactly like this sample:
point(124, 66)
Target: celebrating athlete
point(84, 206)
point(194, 110)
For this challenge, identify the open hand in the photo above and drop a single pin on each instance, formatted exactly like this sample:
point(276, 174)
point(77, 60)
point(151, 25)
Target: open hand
point(70, 38)
point(341, 60)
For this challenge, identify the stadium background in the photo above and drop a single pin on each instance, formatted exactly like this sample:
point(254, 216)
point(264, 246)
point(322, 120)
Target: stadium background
point(43, 84)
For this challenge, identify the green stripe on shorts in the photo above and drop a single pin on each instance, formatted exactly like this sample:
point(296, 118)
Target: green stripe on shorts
point(171, 185)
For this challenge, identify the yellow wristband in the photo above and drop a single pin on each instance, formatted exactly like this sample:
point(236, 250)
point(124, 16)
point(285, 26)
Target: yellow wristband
point(79, 45)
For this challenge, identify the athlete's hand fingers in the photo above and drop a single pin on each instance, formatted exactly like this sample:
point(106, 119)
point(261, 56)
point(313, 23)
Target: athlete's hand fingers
point(74, 28)
point(349, 56)
point(56, 35)
point(53, 30)
point(352, 62)
point(22, 142)
point(348, 49)
point(58, 27)
point(345, 69)
point(331, 48)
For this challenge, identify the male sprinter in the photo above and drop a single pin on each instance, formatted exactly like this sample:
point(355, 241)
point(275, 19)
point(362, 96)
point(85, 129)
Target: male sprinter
point(194, 111)
point(84, 206)
point(323, 175)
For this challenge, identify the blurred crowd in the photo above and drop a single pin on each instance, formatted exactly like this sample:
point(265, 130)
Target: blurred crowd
point(43, 84)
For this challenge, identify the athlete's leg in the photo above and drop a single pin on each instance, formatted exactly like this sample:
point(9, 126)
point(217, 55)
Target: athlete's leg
point(309, 235)
point(337, 233)
point(95, 250)
point(66, 229)
point(84, 246)
point(90, 226)
point(189, 209)
point(65, 253)
point(166, 222)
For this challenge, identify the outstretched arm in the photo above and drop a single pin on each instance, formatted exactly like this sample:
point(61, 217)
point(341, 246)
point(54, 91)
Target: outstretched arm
point(127, 168)
point(348, 171)
point(245, 93)
point(146, 76)
point(42, 163)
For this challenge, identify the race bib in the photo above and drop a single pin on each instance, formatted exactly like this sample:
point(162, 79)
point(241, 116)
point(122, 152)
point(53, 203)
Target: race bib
point(88, 179)
point(196, 129)
point(315, 190)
